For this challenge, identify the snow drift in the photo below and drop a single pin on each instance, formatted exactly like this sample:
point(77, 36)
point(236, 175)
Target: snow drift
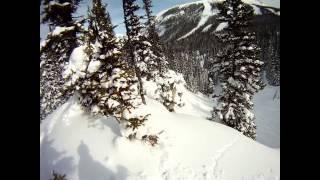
point(190, 147)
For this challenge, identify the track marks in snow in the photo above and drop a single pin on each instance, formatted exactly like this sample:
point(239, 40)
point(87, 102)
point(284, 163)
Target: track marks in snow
point(170, 170)
point(219, 154)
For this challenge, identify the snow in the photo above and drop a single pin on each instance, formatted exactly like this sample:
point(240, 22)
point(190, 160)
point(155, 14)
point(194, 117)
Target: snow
point(52, 3)
point(161, 30)
point(94, 66)
point(267, 111)
point(206, 28)
point(270, 3)
point(206, 14)
point(77, 64)
point(159, 16)
point(221, 26)
point(190, 146)
point(256, 9)
point(43, 43)
point(168, 17)
point(273, 11)
point(58, 30)
point(191, 3)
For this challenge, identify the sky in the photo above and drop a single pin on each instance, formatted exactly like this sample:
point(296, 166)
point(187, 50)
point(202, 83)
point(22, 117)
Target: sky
point(115, 9)
point(116, 12)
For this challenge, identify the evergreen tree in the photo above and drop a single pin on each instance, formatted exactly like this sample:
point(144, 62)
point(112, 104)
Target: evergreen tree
point(140, 49)
point(55, 52)
point(106, 87)
point(154, 39)
point(59, 12)
point(167, 81)
point(239, 68)
point(273, 65)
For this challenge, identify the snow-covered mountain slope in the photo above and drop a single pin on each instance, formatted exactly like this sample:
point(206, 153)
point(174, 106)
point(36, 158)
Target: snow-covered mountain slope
point(267, 111)
point(181, 21)
point(190, 147)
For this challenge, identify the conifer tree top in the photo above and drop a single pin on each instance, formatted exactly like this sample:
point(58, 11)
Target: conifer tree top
point(59, 12)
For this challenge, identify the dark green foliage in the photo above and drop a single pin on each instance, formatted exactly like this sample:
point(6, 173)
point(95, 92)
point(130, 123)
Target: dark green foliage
point(135, 122)
point(160, 63)
point(59, 12)
point(108, 89)
point(55, 53)
point(151, 139)
point(166, 87)
point(57, 176)
point(134, 42)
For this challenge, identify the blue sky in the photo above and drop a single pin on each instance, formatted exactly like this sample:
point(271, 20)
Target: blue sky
point(115, 9)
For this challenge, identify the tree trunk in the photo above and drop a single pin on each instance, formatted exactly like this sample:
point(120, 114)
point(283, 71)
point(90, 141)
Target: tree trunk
point(133, 59)
point(140, 85)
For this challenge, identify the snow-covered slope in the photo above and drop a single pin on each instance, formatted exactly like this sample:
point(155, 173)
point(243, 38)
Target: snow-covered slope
point(187, 19)
point(207, 12)
point(267, 111)
point(190, 147)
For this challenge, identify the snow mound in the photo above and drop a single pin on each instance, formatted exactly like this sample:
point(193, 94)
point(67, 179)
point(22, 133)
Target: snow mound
point(78, 63)
point(190, 147)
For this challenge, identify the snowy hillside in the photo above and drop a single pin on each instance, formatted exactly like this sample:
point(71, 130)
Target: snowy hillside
point(267, 111)
point(199, 15)
point(190, 147)
point(184, 105)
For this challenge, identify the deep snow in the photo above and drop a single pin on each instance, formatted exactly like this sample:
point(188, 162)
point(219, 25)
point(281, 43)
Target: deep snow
point(190, 146)
point(267, 111)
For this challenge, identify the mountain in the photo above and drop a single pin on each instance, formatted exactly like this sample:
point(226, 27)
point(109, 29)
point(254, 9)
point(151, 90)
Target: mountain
point(187, 32)
point(198, 17)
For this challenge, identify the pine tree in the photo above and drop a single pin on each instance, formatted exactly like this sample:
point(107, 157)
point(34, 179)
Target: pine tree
point(153, 37)
point(59, 12)
point(239, 68)
point(55, 52)
point(166, 80)
point(273, 65)
point(141, 52)
point(57, 176)
point(107, 87)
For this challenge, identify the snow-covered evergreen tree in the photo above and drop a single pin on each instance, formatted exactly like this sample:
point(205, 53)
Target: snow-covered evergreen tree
point(157, 49)
point(55, 52)
point(140, 49)
point(167, 81)
point(170, 88)
point(240, 69)
point(105, 81)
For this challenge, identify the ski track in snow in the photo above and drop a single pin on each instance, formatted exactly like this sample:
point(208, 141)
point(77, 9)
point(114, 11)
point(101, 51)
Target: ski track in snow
point(219, 155)
point(210, 171)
